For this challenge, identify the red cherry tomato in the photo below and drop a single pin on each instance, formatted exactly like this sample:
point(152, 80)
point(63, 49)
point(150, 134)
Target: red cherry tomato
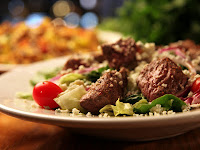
point(196, 85)
point(45, 92)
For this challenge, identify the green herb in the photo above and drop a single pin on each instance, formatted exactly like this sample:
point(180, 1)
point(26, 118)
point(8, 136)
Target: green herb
point(24, 95)
point(96, 74)
point(168, 101)
point(183, 67)
point(44, 75)
point(132, 99)
point(50, 73)
point(141, 107)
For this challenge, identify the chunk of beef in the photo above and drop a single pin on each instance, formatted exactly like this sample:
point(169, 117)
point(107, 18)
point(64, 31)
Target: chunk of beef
point(74, 63)
point(161, 77)
point(106, 90)
point(98, 57)
point(85, 60)
point(121, 54)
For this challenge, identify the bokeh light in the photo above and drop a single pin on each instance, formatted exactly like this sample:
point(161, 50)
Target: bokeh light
point(88, 4)
point(71, 5)
point(89, 20)
point(34, 20)
point(72, 19)
point(58, 22)
point(61, 8)
point(16, 7)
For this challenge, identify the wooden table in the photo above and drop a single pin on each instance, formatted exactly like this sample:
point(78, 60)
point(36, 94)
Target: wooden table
point(17, 134)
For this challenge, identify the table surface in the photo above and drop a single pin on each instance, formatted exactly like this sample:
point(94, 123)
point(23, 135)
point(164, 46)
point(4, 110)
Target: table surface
point(17, 134)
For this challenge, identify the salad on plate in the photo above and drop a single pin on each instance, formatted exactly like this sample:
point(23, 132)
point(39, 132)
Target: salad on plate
point(125, 78)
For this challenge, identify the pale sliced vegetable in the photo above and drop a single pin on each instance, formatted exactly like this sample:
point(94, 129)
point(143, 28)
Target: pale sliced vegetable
point(70, 98)
point(24, 95)
point(71, 77)
point(120, 109)
point(107, 109)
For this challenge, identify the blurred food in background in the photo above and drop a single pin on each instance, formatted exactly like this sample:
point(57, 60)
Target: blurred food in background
point(75, 23)
point(21, 44)
point(159, 21)
point(42, 29)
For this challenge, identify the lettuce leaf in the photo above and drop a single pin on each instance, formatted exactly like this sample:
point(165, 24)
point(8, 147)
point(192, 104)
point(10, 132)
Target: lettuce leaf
point(119, 109)
point(24, 95)
point(71, 77)
point(70, 98)
point(168, 101)
point(132, 99)
point(44, 75)
point(96, 74)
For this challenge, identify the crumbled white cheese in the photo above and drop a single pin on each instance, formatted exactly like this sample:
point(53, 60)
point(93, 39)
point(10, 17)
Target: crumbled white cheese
point(170, 112)
point(75, 111)
point(61, 111)
point(117, 48)
point(157, 109)
point(105, 115)
point(156, 114)
point(81, 67)
point(147, 50)
point(89, 114)
point(164, 113)
point(100, 115)
point(190, 94)
point(194, 78)
point(164, 85)
point(150, 114)
point(118, 74)
point(196, 61)
point(121, 83)
point(185, 108)
point(187, 72)
point(132, 85)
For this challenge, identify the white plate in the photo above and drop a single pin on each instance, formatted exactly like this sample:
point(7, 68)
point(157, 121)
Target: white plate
point(124, 128)
point(6, 67)
point(108, 36)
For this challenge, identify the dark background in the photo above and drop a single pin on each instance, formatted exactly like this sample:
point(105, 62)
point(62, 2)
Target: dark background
point(103, 8)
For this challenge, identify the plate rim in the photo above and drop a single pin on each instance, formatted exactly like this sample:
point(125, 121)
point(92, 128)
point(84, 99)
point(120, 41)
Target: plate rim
point(181, 117)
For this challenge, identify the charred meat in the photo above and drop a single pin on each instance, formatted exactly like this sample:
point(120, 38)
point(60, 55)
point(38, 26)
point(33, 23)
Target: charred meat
point(106, 90)
point(161, 77)
point(121, 54)
point(74, 63)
